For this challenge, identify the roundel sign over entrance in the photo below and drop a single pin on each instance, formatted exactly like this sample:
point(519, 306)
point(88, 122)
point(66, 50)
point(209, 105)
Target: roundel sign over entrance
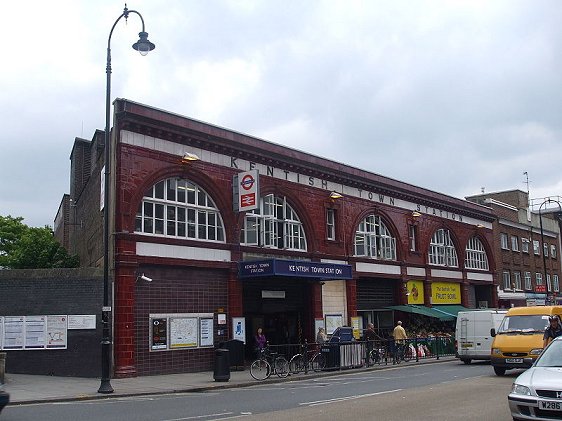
point(246, 185)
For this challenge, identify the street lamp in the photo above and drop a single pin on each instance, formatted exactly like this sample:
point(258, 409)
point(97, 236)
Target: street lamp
point(143, 46)
point(547, 200)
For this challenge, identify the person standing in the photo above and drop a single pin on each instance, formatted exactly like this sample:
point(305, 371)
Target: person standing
point(260, 341)
point(370, 337)
point(399, 335)
point(553, 330)
point(321, 336)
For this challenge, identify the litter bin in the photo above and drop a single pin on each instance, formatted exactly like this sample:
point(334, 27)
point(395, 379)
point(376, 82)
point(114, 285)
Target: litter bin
point(236, 353)
point(222, 365)
point(331, 353)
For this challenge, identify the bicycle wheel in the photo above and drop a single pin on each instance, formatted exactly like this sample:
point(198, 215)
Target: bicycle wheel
point(318, 362)
point(296, 365)
point(408, 353)
point(375, 357)
point(281, 366)
point(260, 369)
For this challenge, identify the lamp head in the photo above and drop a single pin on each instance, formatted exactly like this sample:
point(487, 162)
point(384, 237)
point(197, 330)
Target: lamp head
point(143, 45)
point(188, 157)
point(335, 195)
point(145, 278)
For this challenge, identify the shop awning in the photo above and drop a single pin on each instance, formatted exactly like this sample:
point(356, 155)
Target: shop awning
point(424, 311)
point(452, 310)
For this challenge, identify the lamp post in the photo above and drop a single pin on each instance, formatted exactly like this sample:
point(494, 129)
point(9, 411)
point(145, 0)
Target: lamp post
point(546, 201)
point(143, 46)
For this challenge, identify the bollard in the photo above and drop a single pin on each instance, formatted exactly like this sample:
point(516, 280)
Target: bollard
point(2, 367)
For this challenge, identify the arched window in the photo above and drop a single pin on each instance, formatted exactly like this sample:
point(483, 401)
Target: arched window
point(274, 225)
point(442, 250)
point(475, 255)
point(373, 239)
point(178, 208)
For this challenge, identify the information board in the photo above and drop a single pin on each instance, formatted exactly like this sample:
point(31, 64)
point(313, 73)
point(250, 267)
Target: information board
point(35, 332)
point(206, 332)
point(14, 332)
point(57, 332)
point(81, 321)
point(159, 334)
point(183, 332)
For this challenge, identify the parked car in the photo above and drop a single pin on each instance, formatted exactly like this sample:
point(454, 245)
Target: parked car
point(4, 397)
point(342, 334)
point(537, 393)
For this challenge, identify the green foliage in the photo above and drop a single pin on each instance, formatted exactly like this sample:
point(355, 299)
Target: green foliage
point(23, 247)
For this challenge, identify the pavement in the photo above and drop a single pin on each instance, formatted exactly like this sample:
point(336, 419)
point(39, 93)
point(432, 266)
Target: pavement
point(29, 389)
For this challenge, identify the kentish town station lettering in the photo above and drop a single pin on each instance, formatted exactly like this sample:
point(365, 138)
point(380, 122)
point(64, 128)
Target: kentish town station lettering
point(310, 181)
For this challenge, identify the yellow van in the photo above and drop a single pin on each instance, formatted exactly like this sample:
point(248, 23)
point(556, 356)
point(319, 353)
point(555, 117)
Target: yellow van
point(519, 339)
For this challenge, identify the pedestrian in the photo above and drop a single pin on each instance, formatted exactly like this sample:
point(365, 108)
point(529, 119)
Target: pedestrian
point(260, 341)
point(321, 336)
point(399, 335)
point(370, 336)
point(553, 330)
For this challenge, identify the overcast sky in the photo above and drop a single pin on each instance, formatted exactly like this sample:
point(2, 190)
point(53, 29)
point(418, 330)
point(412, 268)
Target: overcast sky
point(452, 96)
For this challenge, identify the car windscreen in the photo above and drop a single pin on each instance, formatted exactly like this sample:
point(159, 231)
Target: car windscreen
point(551, 356)
point(535, 323)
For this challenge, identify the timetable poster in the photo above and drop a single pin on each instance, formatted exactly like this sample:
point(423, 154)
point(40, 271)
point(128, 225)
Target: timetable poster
point(13, 332)
point(35, 327)
point(183, 332)
point(159, 334)
point(57, 332)
point(206, 332)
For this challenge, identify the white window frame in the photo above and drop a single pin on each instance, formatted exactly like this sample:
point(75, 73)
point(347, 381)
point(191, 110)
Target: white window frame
point(517, 281)
point(538, 278)
point(330, 224)
point(528, 283)
point(555, 283)
point(506, 281)
point(475, 255)
point(374, 240)
point(536, 248)
point(514, 243)
point(178, 208)
point(545, 249)
point(412, 236)
point(553, 251)
point(442, 251)
point(525, 245)
point(274, 225)
point(548, 283)
point(504, 242)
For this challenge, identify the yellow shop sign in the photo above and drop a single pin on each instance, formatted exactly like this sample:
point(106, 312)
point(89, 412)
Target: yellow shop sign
point(415, 292)
point(445, 293)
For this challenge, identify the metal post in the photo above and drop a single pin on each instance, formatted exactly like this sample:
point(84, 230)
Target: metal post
point(143, 46)
point(541, 248)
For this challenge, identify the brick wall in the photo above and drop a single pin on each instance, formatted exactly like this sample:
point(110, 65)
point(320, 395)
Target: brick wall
point(55, 292)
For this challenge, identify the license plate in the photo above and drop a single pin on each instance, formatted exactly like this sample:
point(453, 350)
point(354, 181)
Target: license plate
point(550, 405)
point(514, 360)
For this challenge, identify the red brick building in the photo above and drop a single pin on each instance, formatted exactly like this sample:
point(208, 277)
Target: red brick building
point(328, 245)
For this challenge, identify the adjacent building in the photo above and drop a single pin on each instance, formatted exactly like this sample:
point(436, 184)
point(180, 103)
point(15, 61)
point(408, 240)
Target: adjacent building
point(215, 233)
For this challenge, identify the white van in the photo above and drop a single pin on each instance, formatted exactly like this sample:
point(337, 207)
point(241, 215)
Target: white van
point(473, 339)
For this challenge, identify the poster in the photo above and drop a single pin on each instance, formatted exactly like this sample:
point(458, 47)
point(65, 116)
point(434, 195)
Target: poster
point(206, 332)
point(81, 321)
point(415, 292)
point(333, 321)
point(35, 332)
point(57, 332)
point(357, 328)
point(13, 332)
point(183, 332)
point(239, 328)
point(159, 334)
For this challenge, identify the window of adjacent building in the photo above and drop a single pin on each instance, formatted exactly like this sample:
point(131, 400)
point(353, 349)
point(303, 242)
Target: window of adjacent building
point(413, 237)
point(442, 250)
point(553, 251)
point(475, 256)
point(548, 283)
point(517, 280)
point(504, 241)
point(536, 247)
point(528, 285)
point(373, 239)
point(506, 280)
point(545, 249)
point(525, 245)
point(274, 225)
point(178, 208)
point(555, 283)
point(514, 243)
point(538, 278)
point(331, 224)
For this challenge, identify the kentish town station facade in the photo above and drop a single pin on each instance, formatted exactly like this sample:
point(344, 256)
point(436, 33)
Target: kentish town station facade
point(215, 233)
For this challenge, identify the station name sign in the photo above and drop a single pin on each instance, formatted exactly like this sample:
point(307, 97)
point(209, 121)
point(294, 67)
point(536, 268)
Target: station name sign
point(293, 268)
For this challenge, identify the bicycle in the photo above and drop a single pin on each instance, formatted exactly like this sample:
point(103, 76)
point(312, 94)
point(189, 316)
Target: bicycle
point(269, 363)
point(377, 355)
point(404, 352)
point(316, 362)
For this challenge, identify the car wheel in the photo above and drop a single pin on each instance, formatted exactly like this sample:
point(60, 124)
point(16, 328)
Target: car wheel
point(500, 371)
point(467, 361)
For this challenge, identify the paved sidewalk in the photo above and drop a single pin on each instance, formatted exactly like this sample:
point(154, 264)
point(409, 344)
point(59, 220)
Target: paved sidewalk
point(27, 388)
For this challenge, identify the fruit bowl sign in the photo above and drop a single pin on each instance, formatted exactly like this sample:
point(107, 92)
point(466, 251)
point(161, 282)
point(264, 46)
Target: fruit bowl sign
point(445, 293)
